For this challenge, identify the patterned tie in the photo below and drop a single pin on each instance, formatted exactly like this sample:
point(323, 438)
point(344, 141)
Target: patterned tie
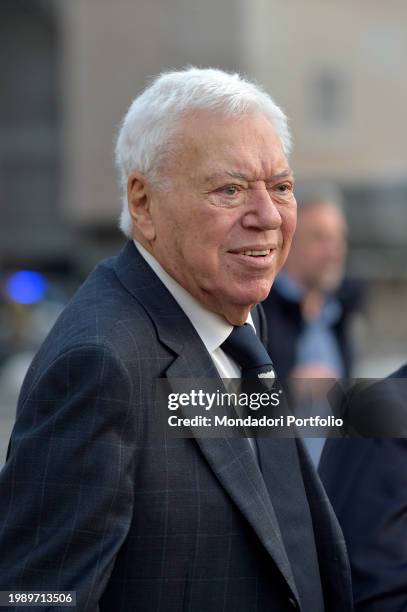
point(246, 348)
point(282, 473)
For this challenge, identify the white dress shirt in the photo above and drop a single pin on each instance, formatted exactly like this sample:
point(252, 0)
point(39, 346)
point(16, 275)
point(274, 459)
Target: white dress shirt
point(211, 327)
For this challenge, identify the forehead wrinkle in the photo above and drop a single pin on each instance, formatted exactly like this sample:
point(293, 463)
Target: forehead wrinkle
point(238, 175)
point(284, 174)
point(274, 177)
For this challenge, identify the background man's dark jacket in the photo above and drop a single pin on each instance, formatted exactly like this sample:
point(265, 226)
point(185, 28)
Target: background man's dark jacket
point(285, 324)
point(93, 500)
point(366, 481)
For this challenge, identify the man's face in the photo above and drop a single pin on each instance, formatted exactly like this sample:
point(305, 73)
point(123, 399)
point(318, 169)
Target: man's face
point(319, 249)
point(224, 226)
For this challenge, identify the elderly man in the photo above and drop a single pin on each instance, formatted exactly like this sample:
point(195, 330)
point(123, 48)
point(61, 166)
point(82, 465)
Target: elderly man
point(92, 501)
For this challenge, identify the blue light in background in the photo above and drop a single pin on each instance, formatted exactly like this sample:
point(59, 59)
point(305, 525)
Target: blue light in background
point(26, 287)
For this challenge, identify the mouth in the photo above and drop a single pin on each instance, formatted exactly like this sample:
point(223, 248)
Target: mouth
point(254, 251)
point(256, 256)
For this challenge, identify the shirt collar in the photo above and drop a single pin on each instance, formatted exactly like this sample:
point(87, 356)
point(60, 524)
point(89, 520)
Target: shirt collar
point(212, 328)
point(292, 291)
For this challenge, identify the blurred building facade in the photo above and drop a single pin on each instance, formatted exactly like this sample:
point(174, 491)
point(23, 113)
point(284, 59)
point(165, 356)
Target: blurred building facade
point(335, 67)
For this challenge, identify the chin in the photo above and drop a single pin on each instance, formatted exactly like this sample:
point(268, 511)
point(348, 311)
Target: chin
point(252, 295)
point(331, 283)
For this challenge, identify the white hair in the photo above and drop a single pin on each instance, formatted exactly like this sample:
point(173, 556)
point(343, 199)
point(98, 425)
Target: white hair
point(146, 130)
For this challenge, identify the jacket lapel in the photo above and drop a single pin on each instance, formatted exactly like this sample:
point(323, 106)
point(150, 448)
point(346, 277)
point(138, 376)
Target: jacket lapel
point(234, 464)
point(232, 460)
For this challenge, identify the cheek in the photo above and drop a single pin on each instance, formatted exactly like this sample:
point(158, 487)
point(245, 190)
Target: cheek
point(197, 247)
point(210, 236)
point(288, 231)
point(170, 241)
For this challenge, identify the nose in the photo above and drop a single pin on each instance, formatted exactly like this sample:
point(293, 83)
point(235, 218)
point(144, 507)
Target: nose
point(262, 212)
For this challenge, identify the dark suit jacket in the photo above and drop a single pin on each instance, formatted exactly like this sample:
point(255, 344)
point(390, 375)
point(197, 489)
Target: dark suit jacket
point(93, 500)
point(366, 481)
point(285, 325)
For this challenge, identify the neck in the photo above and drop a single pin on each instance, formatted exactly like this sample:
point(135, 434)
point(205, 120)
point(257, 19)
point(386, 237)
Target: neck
point(312, 303)
point(236, 316)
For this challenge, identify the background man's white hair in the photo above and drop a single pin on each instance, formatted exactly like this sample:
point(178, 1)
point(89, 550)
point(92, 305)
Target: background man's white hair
point(150, 122)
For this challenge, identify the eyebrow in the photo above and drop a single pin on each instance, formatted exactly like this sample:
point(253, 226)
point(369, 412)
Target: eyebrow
point(284, 174)
point(239, 175)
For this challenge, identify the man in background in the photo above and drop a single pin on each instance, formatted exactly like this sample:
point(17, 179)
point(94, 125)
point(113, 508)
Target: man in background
point(310, 306)
point(310, 311)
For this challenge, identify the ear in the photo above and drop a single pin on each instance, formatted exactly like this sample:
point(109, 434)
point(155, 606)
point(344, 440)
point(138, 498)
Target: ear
point(139, 201)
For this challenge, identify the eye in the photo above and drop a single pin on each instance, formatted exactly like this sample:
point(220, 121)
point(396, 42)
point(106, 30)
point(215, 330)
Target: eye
point(284, 188)
point(230, 190)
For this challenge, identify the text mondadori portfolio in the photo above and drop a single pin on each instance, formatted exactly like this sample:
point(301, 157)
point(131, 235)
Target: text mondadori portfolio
point(251, 421)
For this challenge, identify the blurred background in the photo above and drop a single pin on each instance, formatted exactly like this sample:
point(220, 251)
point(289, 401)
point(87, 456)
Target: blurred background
point(70, 68)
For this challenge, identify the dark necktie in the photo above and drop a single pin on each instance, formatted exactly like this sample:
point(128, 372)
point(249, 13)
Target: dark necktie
point(245, 348)
point(279, 463)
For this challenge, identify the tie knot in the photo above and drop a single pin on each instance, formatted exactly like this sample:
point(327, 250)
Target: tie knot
point(245, 347)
